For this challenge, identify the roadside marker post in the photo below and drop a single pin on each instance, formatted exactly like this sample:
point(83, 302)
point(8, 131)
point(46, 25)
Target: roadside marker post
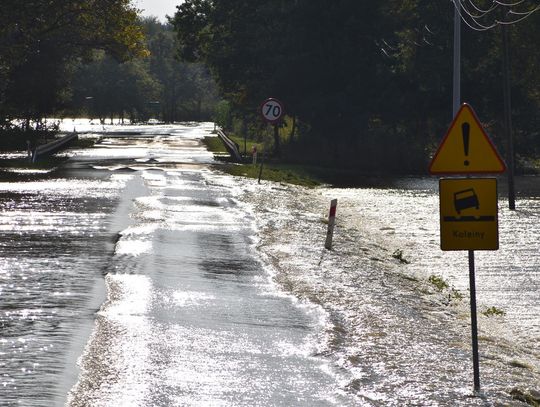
point(254, 153)
point(468, 206)
point(331, 224)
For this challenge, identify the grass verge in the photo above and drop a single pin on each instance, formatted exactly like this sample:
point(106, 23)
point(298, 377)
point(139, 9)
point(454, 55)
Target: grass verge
point(214, 144)
point(272, 171)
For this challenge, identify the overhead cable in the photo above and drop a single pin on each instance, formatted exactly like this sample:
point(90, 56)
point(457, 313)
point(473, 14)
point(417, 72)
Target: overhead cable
point(476, 17)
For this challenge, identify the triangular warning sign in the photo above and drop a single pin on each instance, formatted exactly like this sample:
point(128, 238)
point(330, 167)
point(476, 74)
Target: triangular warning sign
point(466, 148)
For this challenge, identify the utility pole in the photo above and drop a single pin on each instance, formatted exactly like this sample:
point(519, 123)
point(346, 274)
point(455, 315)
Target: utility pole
point(508, 120)
point(457, 61)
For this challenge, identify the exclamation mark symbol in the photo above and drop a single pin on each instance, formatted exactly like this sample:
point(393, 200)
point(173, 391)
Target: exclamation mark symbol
point(465, 127)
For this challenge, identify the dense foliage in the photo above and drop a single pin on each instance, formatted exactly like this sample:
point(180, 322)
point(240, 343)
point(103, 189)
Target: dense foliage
point(157, 86)
point(93, 57)
point(41, 40)
point(365, 84)
point(369, 84)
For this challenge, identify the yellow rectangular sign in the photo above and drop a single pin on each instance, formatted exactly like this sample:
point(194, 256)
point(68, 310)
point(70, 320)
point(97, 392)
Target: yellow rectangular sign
point(469, 214)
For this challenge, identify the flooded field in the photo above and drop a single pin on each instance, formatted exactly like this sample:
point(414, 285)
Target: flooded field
point(399, 305)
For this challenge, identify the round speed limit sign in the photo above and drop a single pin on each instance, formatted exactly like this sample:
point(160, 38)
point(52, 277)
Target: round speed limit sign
point(272, 110)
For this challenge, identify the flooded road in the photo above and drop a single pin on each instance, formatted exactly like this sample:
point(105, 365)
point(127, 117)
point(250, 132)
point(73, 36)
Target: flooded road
point(130, 277)
point(139, 275)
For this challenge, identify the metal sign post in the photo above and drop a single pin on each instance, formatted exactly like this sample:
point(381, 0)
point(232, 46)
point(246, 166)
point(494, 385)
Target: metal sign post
point(261, 167)
point(474, 323)
point(468, 206)
point(469, 221)
point(456, 108)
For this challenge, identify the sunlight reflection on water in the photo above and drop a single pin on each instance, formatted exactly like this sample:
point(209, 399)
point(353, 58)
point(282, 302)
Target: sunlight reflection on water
point(193, 314)
point(215, 330)
point(405, 342)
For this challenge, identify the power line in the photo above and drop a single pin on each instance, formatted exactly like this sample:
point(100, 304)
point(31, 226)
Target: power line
point(518, 20)
point(478, 26)
point(493, 6)
point(478, 18)
point(523, 13)
point(509, 4)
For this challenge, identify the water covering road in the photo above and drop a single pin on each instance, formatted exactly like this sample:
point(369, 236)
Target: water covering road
point(136, 275)
point(130, 277)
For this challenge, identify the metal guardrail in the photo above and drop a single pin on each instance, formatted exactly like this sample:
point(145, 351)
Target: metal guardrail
point(53, 146)
point(230, 145)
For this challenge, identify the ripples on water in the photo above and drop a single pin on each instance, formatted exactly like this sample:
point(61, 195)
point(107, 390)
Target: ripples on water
point(191, 318)
point(186, 313)
point(405, 342)
point(54, 239)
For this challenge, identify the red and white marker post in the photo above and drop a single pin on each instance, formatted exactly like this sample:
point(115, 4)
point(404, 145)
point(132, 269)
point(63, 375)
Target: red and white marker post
point(331, 223)
point(254, 154)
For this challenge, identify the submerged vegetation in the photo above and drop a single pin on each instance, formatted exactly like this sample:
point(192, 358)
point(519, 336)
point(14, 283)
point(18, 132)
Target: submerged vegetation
point(493, 311)
point(274, 172)
point(271, 171)
point(398, 255)
point(438, 282)
point(442, 285)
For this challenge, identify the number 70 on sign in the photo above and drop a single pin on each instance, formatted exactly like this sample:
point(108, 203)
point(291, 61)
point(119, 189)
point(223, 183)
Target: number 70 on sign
point(272, 110)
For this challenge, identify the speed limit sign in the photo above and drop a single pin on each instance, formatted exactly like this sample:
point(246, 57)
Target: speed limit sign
point(272, 110)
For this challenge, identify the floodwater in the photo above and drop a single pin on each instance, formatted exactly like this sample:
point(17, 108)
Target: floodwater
point(405, 339)
point(130, 277)
point(137, 274)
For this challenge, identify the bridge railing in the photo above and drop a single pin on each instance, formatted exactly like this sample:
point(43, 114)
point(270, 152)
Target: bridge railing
point(230, 145)
point(53, 146)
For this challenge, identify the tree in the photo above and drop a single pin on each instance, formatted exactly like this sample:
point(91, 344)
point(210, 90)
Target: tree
point(188, 91)
point(318, 57)
point(40, 41)
point(369, 82)
point(108, 88)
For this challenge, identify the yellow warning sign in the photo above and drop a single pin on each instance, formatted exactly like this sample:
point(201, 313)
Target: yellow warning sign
point(469, 214)
point(466, 148)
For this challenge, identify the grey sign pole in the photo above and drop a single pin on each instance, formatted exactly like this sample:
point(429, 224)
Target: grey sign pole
point(457, 61)
point(474, 323)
